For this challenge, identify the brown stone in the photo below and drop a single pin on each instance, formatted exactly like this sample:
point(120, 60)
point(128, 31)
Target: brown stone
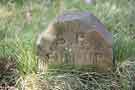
point(78, 38)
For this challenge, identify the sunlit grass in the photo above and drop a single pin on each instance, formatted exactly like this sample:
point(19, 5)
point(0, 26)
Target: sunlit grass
point(25, 57)
point(5, 13)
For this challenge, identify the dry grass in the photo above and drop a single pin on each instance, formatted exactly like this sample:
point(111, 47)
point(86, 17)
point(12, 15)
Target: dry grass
point(122, 79)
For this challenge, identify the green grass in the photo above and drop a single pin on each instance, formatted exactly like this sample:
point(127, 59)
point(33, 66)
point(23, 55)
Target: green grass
point(124, 47)
point(26, 58)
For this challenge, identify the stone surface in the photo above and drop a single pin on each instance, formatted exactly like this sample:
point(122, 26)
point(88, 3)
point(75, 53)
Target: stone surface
point(77, 38)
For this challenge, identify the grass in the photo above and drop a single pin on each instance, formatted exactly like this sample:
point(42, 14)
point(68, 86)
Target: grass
point(26, 59)
point(17, 37)
point(124, 47)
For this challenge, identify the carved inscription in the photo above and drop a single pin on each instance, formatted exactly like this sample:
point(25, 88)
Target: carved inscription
point(80, 47)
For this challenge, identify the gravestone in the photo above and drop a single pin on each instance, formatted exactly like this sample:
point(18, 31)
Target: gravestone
point(78, 39)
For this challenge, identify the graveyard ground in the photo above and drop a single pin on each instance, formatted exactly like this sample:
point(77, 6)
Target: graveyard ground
point(22, 20)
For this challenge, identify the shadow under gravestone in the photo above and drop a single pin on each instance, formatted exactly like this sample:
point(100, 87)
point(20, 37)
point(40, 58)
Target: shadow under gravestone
point(76, 40)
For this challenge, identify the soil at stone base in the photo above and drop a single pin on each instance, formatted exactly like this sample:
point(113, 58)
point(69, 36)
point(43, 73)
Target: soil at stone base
point(8, 73)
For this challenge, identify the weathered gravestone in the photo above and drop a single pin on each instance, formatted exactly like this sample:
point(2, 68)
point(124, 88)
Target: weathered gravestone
point(78, 39)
